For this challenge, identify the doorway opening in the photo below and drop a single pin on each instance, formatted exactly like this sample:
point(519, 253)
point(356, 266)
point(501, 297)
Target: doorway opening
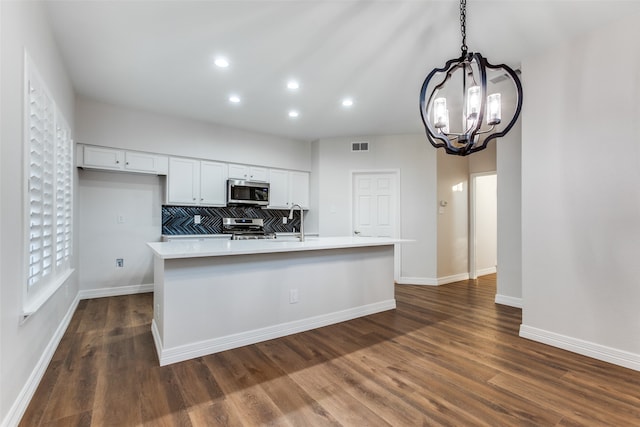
point(483, 224)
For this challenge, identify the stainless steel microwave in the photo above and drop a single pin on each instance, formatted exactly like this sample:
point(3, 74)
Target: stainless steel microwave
point(252, 193)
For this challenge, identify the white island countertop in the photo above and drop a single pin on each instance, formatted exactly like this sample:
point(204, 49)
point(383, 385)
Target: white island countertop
point(215, 248)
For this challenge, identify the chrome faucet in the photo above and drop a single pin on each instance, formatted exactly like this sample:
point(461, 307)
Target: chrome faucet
point(301, 236)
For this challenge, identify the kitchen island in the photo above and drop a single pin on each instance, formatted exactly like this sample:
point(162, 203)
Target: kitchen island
point(215, 295)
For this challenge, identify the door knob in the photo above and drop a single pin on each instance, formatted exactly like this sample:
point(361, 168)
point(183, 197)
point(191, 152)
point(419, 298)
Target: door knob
point(356, 232)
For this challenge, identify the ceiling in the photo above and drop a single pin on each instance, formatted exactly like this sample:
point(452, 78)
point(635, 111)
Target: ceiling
point(158, 55)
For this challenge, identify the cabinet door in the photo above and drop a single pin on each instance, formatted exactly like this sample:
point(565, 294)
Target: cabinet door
point(250, 173)
point(299, 188)
point(279, 189)
point(145, 162)
point(213, 183)
point(103, 158)
point(238, 171)
point(183, 181)
point(258, 174)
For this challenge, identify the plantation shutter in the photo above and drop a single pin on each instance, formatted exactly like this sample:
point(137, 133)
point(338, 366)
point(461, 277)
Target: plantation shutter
point(63, 194)
point(40, 182)
point(49, 185)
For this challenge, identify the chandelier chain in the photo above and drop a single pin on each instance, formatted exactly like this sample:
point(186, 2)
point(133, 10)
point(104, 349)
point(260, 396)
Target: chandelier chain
point(463, 26)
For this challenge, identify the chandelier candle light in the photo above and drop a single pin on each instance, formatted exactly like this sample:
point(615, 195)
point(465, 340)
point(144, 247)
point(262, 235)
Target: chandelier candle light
point(481, 114)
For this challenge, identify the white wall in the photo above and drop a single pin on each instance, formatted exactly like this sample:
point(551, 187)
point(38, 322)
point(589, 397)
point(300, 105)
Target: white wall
point(485, 160)
point(509, 277)
point(24, 348)
point(486, 205)
point(416, 159)
point(103, 197)
point(114, 126)
point(312, 218)
point(453, 219)
point(581, 197)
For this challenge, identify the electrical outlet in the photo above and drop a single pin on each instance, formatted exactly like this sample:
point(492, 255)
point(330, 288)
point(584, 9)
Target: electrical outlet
point(284, 219)
point(293, 296)
point(120, 219)
point(197, 219)
point(119, 262)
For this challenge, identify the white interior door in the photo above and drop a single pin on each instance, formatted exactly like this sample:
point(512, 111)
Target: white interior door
point(375, 202)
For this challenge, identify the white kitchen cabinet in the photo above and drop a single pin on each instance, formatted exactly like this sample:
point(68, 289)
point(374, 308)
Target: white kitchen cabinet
point(279, 189)
point(195, 182)
point(213, 183)
point(145, 162)
point(183, 181)
point(299, 188)
point(94, 157)
point(251, 173)
point(101, 158)
point(288, 188)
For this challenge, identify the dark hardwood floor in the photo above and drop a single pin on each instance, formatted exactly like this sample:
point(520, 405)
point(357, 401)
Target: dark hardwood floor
point(446, 356)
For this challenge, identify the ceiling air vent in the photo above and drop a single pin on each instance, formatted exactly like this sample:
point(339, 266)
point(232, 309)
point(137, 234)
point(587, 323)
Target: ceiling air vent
point(360, 146)
point(503, 76)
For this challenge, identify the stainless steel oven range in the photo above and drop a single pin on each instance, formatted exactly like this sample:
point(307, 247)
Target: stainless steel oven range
point(245, 228)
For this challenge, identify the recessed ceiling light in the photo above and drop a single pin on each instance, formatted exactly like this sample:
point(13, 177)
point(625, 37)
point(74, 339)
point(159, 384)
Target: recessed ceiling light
point(234, 98)
point(293, 113)
point(293, 85)
point(221, 62)
point(347, 102)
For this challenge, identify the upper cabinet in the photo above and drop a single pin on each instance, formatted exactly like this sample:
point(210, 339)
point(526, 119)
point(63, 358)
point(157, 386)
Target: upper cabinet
point(183, 181)
point(213, 183)
point(196, 182)
point(145, 163)
point(279, 189)
point(288, 188)
point(299, 188)
point(250, 173)
point(94, 157)
point(100, 158)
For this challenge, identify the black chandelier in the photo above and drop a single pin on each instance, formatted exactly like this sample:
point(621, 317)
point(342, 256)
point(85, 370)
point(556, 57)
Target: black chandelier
point(469, 73)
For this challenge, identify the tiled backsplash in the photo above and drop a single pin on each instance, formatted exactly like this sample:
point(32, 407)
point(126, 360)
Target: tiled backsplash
point(177, 220)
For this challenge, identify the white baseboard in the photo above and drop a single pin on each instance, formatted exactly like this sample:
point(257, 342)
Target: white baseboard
point(115, 291)
point(417, 281)
point(586, 348)
point(21, 403)
point(485, 271)
point(510, 301)
point(427, 281)
point(454, 278)
point(202, 348)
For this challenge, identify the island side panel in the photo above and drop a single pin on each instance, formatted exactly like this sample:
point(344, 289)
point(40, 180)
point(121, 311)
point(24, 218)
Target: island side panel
point(212, 302)
point(157, 327)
